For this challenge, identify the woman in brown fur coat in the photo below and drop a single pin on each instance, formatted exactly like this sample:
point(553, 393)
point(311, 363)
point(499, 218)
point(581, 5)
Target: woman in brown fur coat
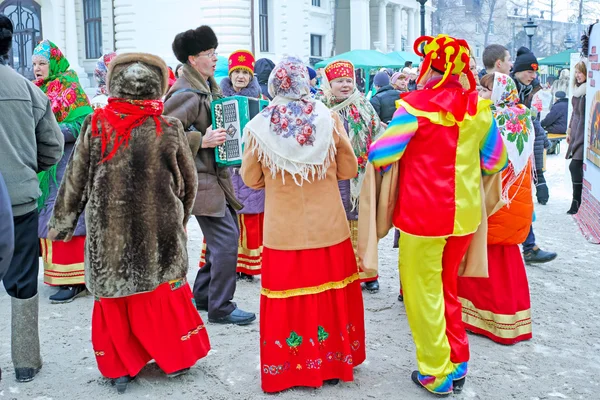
point(134, 174)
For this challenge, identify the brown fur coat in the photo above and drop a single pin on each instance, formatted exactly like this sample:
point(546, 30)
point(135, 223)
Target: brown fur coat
point(137, 203)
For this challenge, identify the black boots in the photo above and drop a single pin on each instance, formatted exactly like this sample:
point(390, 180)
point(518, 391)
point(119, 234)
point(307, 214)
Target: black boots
point(576, 203)
point(25, 340)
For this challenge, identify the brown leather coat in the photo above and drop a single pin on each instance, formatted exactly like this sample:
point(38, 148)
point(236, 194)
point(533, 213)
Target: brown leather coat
point(193, 110)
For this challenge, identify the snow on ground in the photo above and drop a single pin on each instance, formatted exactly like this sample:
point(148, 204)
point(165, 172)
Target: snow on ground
point(561, 362)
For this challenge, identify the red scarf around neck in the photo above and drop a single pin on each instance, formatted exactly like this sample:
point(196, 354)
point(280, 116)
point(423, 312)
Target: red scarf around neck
point(121, 116)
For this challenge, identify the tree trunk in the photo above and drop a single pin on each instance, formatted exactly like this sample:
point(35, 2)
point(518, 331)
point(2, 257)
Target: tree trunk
point(492, 8)
point(551, 26)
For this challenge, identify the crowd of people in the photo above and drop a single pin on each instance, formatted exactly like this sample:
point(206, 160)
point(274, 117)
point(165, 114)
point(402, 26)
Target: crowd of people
point(102, 191)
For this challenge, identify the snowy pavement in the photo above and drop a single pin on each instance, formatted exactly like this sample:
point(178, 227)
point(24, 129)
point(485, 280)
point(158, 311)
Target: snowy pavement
point(562, 361)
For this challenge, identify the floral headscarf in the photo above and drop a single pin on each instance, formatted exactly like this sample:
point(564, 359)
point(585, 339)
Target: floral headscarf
point(67, 97)
point(294, 133)
point(69, 102)
point(363, 125)
point(514, 121)
point(101, 71)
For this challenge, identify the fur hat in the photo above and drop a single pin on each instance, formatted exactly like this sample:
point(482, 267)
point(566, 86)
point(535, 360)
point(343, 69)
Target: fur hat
point(525, 61)
point(137, 76)
point(6, 34)
point(194, 41)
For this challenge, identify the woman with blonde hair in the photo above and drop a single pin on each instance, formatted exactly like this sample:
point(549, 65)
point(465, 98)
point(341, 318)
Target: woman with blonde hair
point(576, 134)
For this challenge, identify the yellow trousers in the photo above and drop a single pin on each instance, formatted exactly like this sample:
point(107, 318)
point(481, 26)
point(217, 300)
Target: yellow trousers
point(429, 272)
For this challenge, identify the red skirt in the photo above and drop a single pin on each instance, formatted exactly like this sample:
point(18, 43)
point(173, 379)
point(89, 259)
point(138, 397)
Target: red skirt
point(311, 317)
point(63, 262)
point(498, 307)
point(250, 247)
point(162, 325)
point(251, 243)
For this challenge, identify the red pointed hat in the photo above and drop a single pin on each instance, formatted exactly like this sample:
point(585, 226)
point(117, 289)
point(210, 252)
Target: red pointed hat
point(339, 69)
point(241, 59)
point(446, 55)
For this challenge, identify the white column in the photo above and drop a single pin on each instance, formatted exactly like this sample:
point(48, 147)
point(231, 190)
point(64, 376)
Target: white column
point(382, 25)
point(410, 37)
point(398, 28)
point(417, 24)
point(71, 45)
point(360, 27)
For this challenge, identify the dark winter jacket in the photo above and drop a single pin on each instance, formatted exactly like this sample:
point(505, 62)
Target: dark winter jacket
point(46, 211)
point(541, 142)
point(412, 86)
point(556, 120)
point(138, 202)
point(262, 71)
point(384, 102)
point(577, 124)
point(30, 139)
point(252, 200)
point(193, 110)
point(7, 234)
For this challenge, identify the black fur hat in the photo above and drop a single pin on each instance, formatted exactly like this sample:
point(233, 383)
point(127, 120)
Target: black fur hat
point(6, 34)
point(194, 41)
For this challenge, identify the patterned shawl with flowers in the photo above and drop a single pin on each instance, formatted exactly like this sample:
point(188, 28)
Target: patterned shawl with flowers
point(515, 125)
point(294, 133)
point(364, 127)
point(69, 102)
point(101, 71)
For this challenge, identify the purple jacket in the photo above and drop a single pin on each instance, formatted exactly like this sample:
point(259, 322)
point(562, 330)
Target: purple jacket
point(253, 200)
point(46, 212)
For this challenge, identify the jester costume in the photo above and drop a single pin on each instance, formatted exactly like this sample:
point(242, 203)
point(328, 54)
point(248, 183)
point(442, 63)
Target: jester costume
point(63, 262)
point(498, 307)
point(444, 138)
point(362, 125)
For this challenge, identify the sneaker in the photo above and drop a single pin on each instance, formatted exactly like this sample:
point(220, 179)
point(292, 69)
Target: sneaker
point(237, 317)
point(372, 287)
point(538, 256)
point(178, 373)
point(438, 386)
point(67, 294)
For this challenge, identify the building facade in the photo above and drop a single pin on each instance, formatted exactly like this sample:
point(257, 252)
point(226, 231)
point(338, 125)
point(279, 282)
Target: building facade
point(309, 29)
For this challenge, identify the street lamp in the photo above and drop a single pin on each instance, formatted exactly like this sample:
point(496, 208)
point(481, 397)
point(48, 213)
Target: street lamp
point(569, 42)
point(422, 3)
point(530, 28)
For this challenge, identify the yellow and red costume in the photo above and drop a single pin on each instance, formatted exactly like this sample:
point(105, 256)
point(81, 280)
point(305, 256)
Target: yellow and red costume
point(444, 138)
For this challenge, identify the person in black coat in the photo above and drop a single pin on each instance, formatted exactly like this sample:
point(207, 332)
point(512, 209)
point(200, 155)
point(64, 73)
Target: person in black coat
point(384, 101)
point(556, 120)
point(7, 233)
point(262, 70)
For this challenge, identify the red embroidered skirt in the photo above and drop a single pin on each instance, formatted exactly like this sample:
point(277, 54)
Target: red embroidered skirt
point(162, 325)
point(498, 307)
point(250, 247)
point(63, 262)
point(311, 317)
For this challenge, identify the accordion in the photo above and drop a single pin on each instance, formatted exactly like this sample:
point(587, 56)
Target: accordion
point(233, 113)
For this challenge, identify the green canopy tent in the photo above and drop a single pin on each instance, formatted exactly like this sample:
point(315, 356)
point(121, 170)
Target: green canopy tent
point(366, 60)
point(404, 56)
point(558, 61)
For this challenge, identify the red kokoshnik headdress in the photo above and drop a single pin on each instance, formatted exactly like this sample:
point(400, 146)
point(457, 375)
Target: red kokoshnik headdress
point(446, 55)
